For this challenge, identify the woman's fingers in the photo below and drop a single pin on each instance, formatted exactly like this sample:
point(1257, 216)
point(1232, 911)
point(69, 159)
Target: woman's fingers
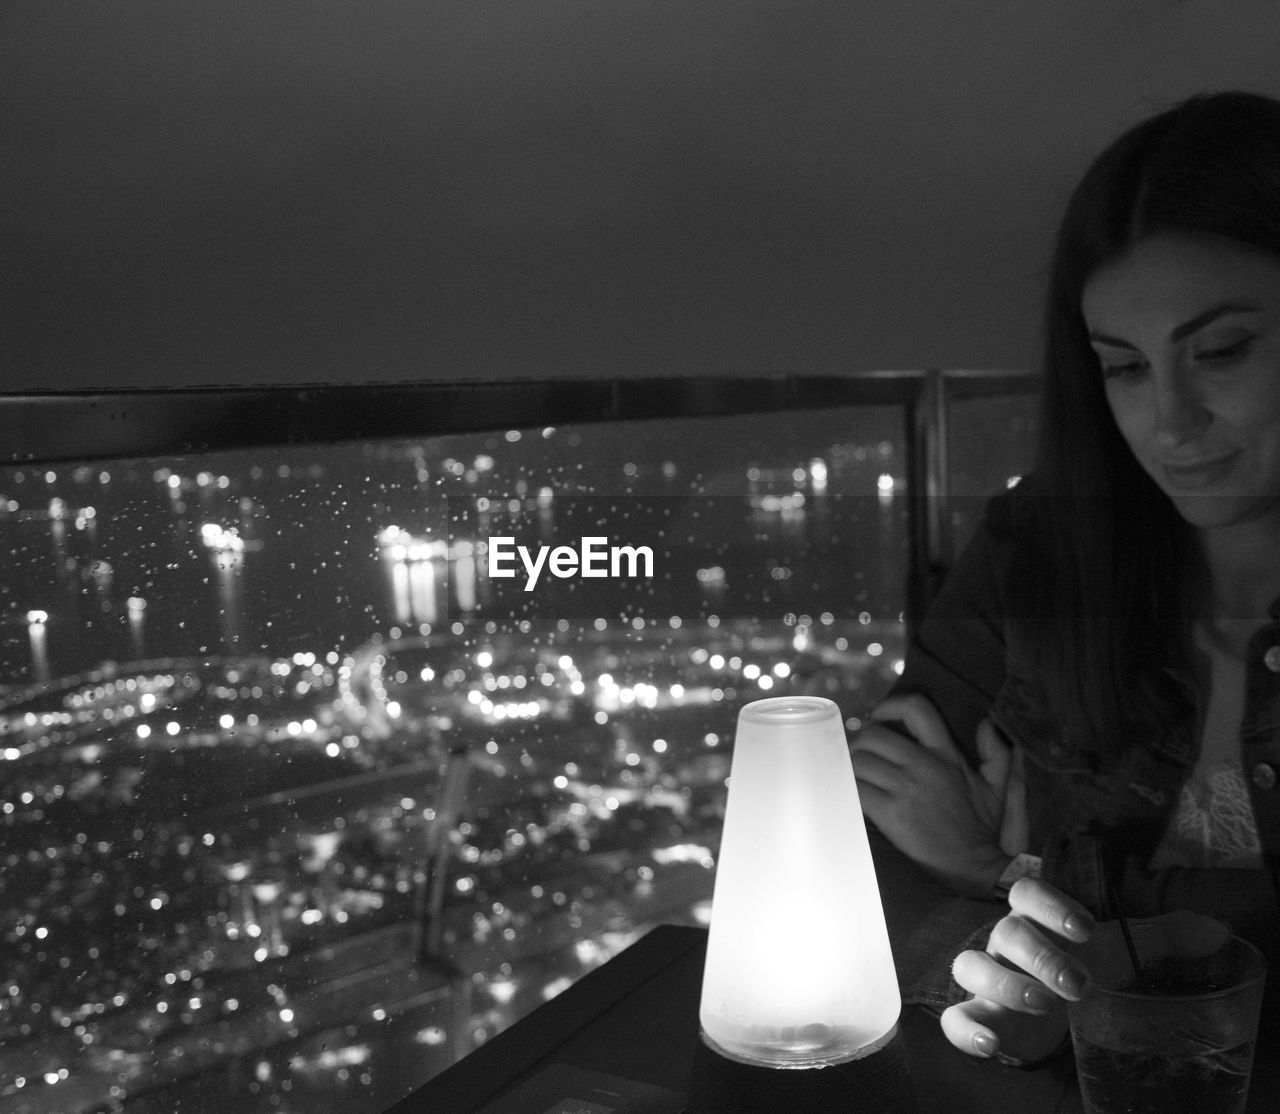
point(1050, 908)
point(1020, 943)
point(968, 1027)
point(982, 974)
point(917, 714)
point(1022, 981)
point(984, 1028)
point(878, 806)
point(885, 743)
point(995, 756)
point(872, 769)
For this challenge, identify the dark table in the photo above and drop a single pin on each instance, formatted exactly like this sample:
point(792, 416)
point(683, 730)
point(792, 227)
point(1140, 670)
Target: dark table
point(635, 1019)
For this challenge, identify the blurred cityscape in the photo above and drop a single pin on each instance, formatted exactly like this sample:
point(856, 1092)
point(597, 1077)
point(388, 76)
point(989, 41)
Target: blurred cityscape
point(300, 805)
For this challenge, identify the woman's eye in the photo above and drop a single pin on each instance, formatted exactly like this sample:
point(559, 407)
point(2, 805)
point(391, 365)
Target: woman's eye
point(1126, 370)
point(1225, 353)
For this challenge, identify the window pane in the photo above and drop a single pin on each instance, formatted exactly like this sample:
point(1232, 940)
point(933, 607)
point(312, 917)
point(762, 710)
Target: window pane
point(244, 691)
point(990, 443)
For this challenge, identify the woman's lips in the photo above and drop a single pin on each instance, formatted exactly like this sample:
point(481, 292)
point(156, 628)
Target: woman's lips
point(1198, 474)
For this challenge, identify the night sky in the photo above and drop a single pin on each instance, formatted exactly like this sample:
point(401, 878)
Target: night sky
point(288, 192)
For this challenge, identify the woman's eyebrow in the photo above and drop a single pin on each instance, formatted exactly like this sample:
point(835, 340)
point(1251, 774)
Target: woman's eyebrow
point(1180, 332)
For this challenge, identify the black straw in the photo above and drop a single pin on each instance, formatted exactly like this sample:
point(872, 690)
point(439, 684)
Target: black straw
point(1114, 898)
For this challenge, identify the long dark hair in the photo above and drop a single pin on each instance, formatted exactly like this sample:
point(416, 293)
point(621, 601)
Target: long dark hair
point(1109, 571)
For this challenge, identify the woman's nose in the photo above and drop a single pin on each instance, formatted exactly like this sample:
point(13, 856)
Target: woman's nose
point(1180, 414)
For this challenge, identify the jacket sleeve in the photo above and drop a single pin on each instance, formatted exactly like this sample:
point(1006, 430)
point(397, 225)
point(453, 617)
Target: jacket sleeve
point(957, 659)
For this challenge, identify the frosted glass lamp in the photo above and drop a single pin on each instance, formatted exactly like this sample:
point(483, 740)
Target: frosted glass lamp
point(798, 971)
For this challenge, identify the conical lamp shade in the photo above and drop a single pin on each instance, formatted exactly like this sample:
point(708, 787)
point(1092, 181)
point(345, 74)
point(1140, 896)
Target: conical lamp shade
point(798, 972)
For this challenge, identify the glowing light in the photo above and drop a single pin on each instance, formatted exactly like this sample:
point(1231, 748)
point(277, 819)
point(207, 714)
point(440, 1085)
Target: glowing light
point(221, 540)
point(502, 990)
point(684, 853)
point(556, 987)
point(805, 976)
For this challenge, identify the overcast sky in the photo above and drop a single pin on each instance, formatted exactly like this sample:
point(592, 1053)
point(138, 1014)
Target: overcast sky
point(285, 192)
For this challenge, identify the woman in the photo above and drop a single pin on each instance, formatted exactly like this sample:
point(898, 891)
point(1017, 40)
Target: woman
point(1094, 697)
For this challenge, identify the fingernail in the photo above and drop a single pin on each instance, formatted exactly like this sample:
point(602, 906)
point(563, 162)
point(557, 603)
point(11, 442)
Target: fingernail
point(1037, 999)
point(1078, 925)
point(1072, 980)
point(985, 1044)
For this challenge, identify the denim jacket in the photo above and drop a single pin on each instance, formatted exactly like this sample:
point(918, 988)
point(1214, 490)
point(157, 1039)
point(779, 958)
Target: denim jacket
point(1088, 821)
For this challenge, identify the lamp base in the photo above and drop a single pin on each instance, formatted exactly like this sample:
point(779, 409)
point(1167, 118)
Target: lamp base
point(879, 1083)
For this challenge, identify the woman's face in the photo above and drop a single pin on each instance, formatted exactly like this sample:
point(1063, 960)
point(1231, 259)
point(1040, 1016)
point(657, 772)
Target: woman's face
point(1187, 334)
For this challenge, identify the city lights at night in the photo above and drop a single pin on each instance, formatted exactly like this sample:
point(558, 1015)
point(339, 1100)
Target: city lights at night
point(301, 803)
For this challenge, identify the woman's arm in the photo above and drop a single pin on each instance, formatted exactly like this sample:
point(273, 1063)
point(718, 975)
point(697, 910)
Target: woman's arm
point(959, 823)
point(955, 663)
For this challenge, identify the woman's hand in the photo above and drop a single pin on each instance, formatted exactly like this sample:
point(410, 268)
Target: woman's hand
point(1024, 979)
point(917, 788)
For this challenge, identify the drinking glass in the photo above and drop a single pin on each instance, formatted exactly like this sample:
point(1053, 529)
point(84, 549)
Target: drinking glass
point(1176, 1036)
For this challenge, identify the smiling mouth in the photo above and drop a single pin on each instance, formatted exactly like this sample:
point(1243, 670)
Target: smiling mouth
point(1201, 474)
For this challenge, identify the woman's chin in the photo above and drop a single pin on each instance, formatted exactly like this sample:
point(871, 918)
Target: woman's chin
point(1210, 510)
